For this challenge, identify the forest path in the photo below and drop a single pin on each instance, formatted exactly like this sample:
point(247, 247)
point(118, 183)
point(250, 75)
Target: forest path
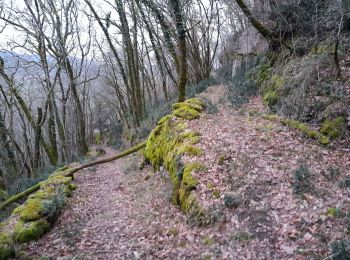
point(119, 212)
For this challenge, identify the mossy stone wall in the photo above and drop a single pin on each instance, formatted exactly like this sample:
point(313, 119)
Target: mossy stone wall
point(166, 146)
point(32, 219)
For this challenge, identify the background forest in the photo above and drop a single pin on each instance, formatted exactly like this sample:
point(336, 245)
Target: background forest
point(75, 73)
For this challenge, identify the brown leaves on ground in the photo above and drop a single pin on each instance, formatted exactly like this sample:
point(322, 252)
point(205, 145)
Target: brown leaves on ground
point(118, 212)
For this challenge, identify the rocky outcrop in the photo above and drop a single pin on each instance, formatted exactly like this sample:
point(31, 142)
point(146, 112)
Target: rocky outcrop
point(248, 42)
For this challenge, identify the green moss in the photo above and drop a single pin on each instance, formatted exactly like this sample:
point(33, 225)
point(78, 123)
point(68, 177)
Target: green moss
point(30, 220)
point(210, 186)
point(196, 101)
point(270, 90)
point(333, 128)
point(166, 145)
point(25, 232)
point(271, 98)
point(186, 112)
point(31, 210)
point(164, 119)
point(72, 186)
point(189, 109)
point(44, 193)
point(272, 117)
point(322, 48)
point(62, 169)
point(334, 212)
point(196, 107)
point(193, 136)
point(6, 246)
point(216, 194)
point(188, 181)
point(57, 180)
point(3, 195)
point(221, 159)
point(190, 150)
point(305, 129)
point(263, 73)
point(173, 231)
point(98, 138)
point(277, 82)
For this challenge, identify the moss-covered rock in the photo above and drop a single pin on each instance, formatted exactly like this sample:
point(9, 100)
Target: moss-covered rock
point(186, 104)
point(31, 210)
point(186, 112)
point(32, 219)
point(166, 145)
point(6, 246)
point(189, 109)
point(28, 231)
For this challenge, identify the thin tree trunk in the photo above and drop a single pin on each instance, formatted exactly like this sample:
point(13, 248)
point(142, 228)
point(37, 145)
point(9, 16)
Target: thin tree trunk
point(181, 33)
point(37, 141)
point(81, 138)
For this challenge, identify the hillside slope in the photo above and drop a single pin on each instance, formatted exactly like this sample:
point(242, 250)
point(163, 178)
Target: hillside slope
point(274, 195)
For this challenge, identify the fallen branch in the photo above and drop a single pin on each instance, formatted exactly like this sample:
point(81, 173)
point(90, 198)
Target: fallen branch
point(71, 172)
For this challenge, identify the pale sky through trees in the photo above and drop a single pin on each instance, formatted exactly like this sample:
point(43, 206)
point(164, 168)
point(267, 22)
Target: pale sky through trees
point(10, 34)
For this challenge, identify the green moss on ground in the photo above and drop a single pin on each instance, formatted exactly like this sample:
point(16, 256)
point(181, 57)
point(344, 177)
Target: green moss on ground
point(305, 129)
point(166, 145)
point(333, 128)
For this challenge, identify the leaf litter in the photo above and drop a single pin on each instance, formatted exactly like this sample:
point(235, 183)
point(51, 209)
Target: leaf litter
point(117, 213)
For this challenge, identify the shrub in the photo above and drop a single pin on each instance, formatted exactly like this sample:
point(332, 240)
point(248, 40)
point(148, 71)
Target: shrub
point(200, 87)
point(211, 108)
point(53, 207)
point(332, 173)
point(301, 180)
point(24, 182)
point(242, 85)
point(340, 249)
point(232, 201)
point(345, 183)
point(333, 128)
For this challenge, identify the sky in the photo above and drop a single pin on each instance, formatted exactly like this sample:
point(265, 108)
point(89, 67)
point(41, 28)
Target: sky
point(10, 34)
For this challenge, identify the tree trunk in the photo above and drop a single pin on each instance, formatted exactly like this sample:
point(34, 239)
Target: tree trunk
point(37, 131)
point(7, 154)
point(181, 34)
point(265, 32)
point(81, 138)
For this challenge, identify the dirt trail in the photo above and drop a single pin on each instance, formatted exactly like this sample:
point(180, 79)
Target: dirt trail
point(118, 212)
